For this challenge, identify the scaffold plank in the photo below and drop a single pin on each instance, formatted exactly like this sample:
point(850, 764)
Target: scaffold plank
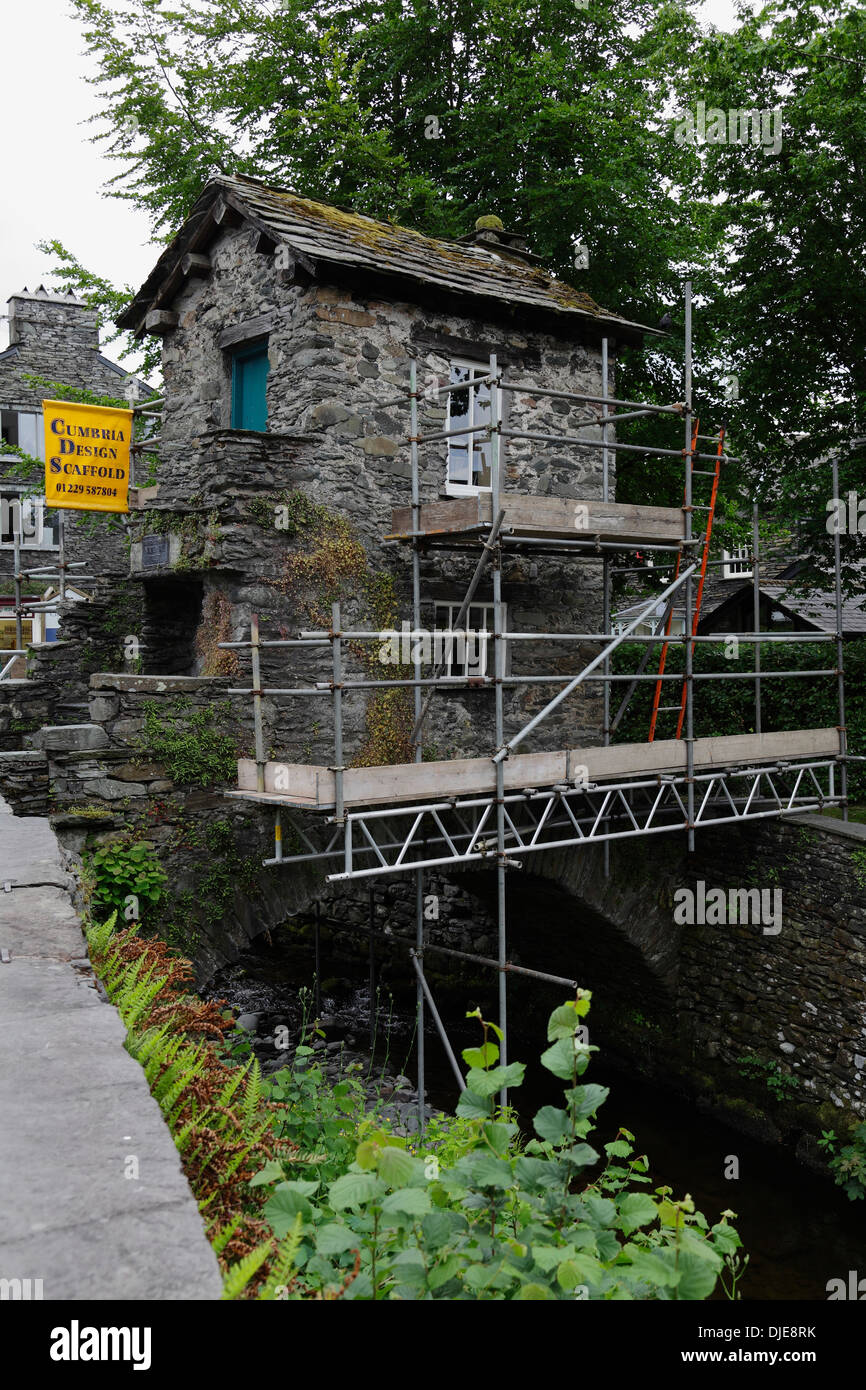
point(551, 518)
point(313, 787)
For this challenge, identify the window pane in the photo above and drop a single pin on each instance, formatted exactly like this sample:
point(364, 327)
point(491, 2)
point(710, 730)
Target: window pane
point(458, 463)
point(481, 446)
point(27, 435)
point(469, 456)
point(9, 426)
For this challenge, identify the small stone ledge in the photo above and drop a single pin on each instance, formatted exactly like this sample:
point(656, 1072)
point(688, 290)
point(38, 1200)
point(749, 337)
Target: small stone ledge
point(844, 829)
point(157, 685)
point(71, 737)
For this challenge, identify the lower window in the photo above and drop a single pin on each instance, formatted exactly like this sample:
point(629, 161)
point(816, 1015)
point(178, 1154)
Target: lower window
point(470, 652)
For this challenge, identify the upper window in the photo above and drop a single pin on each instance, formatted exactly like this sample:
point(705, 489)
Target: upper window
point(23, 428)
point(249, 387)
point(468, 454)
point(737, 563)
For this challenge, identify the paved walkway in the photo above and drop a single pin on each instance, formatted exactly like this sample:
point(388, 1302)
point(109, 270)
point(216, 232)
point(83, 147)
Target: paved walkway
point(74, 1106)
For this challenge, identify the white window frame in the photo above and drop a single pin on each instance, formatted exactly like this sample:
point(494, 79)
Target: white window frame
point(737, 563)
point(452, 488)
point(38, 537)
point(650, 627)
point(38, 450)
point(444, 614)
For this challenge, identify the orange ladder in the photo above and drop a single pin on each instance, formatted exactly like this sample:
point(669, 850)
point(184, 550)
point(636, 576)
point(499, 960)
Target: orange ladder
point(710, 509)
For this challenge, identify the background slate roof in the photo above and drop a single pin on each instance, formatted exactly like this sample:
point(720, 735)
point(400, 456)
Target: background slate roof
point(820, 608)
point(323, 233)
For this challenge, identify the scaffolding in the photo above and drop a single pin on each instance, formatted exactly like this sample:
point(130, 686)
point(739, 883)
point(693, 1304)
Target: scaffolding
point(22, 607)
point(500, 808)
point(62, 572)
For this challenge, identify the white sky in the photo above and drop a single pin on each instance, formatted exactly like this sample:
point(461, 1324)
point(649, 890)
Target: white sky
point(53, 176)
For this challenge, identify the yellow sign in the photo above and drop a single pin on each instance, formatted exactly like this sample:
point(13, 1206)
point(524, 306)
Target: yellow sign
point(87, 456)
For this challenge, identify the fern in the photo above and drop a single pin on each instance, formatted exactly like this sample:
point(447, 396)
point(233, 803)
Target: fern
point(253, 1093)
point(99, 935)
point(182, 1137)
point(220, 1239)
point(240, 1274)
point(136, 1002)
point(229, 1088)
point(121, 982)
point(169, 1100)
point(161, 1053)
point(283, 1267)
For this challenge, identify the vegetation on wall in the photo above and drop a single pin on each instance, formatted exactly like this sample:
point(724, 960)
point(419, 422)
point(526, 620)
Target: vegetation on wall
point(312, 1198)
point(220, 871)
point(124, 873)
point(848, 1164)
point(331, 564)
point(215, 627)
point(105, 645)
point(189, 741)
point(198, 532)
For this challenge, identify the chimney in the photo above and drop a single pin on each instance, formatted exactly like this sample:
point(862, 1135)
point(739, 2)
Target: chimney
point(491, 235)
point(59, 321)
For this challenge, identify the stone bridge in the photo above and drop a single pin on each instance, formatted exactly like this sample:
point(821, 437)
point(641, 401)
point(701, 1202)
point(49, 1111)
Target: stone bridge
point(682, 1000)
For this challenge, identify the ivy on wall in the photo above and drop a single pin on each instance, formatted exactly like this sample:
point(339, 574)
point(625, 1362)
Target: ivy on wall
point(189, 741)
point(331, 565)
point(215, 627)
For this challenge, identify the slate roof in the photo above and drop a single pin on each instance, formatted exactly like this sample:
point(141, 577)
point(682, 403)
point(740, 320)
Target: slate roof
point(324, 234)
point(819, 608)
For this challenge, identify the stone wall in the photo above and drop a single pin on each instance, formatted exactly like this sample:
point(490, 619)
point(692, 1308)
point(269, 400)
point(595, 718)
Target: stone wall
point(104, 779)
point(24, 705)
point(688, 1003)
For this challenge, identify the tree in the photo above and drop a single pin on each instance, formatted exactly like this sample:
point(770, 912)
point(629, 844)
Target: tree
point(560, 118)
point(787, 300)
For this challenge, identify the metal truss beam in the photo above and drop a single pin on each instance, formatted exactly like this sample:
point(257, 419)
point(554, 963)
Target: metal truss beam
point(454, 834)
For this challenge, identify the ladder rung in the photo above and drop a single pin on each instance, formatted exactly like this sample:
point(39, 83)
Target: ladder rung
point(709, 438)
point(665, 708)
point(701, 507)
point(704, 472)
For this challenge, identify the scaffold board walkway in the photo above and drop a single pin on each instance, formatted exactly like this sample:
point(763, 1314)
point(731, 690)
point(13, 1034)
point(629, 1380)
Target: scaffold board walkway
point(543, 518)
point(309, 787)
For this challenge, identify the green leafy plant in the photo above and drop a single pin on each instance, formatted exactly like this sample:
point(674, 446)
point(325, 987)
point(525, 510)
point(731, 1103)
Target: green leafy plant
point(828, 1141)
point(122, 867)
point(858, 864)
point(189, 741)
point(780, 1084)
point(474, 1214)
point(848, 1166)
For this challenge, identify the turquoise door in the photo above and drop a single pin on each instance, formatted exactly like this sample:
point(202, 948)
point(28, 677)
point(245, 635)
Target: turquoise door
point(249, 388)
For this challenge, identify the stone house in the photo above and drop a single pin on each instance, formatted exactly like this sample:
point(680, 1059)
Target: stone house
point(288, 330)
point(54, 337)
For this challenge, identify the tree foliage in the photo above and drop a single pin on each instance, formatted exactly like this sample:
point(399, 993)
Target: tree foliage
point(561, 119)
